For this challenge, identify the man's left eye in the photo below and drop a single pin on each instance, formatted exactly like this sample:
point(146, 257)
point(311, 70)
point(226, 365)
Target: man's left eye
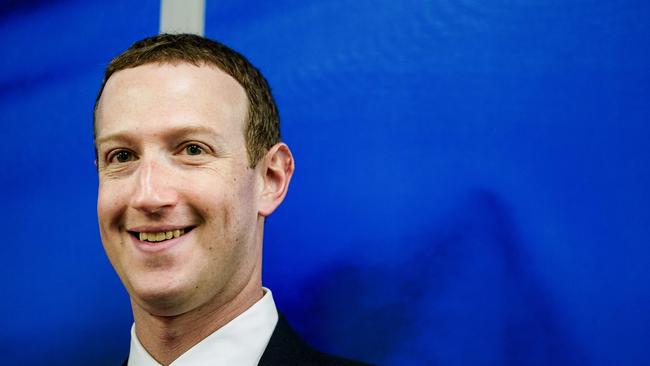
point(193, 149)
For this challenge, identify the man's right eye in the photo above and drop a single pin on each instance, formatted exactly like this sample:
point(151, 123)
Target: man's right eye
point(121, 156)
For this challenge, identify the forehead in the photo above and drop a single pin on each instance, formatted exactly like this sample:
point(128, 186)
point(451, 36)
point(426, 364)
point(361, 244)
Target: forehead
point(156, 96)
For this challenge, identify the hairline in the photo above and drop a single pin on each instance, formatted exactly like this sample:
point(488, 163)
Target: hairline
point(175, 61)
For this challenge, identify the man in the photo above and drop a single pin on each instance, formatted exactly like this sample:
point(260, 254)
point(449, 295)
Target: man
point(190, 163)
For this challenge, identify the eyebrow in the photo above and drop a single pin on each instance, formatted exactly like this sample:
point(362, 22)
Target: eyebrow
point(129, 136)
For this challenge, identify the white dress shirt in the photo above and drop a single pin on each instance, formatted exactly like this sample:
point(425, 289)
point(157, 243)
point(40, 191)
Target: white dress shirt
point(242, 341)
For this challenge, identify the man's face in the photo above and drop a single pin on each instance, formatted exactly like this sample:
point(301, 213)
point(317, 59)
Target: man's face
point(177, 201)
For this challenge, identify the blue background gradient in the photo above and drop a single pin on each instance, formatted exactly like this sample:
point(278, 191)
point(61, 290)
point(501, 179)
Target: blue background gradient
point(472, 183)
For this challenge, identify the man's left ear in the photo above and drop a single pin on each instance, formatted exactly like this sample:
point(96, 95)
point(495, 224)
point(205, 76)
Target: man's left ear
point(277, 169)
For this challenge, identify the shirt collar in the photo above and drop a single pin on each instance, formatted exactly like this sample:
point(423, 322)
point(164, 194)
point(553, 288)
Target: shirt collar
point(242, 341)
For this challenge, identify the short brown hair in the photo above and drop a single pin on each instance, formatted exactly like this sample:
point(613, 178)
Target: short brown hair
point(262, 128)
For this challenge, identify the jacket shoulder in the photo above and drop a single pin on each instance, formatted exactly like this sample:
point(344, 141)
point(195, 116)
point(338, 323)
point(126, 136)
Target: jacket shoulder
point(287, 348)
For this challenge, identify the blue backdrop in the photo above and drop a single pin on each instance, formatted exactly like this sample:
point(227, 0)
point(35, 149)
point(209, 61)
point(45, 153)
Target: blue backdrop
point(471, 186)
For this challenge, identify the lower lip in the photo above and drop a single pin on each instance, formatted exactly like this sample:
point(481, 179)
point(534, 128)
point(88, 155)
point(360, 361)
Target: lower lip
point(151, 247)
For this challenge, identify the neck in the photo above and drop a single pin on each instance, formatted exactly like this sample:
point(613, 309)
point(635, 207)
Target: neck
point(167, 337)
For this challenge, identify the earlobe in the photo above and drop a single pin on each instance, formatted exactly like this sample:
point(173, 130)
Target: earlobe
point(277, 169)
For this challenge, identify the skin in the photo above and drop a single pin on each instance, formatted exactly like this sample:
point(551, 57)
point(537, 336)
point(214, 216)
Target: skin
point(172, 154)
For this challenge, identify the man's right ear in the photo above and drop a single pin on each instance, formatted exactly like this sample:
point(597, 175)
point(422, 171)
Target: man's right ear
point(277, 170)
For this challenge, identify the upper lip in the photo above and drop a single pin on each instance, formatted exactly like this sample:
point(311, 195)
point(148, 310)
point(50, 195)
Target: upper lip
point(157, 228)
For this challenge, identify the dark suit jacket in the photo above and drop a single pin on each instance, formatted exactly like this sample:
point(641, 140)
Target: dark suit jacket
point(286, 348)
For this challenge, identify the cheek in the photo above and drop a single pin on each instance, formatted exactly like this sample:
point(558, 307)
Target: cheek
point(217, 210)
point(109, 204)
point(229, 213)
point(103, 206)
point(240, 215)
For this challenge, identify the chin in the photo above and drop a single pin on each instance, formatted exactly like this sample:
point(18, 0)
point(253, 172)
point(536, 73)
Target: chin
point(159, 298)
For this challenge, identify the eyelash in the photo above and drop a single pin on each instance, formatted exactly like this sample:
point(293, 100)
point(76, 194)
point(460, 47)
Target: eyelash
point(113, 155)
point(202, 149)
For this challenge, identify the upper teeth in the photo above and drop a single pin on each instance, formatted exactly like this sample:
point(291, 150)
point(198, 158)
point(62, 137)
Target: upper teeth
point(163, 235)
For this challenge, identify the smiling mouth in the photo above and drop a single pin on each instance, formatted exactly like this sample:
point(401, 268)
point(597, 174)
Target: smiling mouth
point(156, 237)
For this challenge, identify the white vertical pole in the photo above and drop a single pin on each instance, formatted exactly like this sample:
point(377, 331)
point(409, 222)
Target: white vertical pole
point(182, 16)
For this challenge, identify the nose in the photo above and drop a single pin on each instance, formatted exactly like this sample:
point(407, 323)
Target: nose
point(154, 191)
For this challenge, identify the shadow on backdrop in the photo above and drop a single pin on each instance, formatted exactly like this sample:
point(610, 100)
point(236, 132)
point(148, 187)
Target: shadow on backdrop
point(476, 301)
